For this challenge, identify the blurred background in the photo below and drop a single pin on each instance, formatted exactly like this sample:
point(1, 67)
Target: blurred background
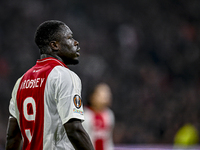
point(147, 51)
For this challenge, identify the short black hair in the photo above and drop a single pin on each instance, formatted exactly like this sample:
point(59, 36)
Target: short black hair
point(47, 32)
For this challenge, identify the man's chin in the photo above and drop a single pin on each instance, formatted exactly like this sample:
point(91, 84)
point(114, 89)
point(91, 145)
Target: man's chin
point(71, 62)
point(74, 63)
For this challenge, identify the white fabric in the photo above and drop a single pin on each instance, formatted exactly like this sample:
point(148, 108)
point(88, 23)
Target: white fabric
point(61, 86)
point(95, 132)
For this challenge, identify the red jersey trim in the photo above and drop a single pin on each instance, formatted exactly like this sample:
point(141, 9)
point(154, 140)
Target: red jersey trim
point(44, 60)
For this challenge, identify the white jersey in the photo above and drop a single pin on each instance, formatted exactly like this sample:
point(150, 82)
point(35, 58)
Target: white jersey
point(99, 126)
point(43, 99)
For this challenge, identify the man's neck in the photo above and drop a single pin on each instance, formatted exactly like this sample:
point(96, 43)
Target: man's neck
point(47, 55)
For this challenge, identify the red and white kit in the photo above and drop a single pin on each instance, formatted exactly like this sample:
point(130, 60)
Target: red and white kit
point(43, 99)
point(100, 128)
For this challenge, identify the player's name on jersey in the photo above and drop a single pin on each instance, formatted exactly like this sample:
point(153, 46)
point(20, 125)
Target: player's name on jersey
point(32, 83)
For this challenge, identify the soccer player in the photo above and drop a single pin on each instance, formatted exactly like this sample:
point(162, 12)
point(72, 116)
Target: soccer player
point(46, 107)
point(99, 118)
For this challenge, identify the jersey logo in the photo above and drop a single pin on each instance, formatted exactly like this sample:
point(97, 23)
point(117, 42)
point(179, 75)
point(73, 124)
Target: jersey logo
point(77, 101)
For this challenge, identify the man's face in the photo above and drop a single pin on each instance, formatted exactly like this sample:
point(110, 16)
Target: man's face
point(102, 97)
point(68, 47)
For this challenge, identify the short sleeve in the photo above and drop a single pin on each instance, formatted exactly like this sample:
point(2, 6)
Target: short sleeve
point(68, 95)
point(13, 101)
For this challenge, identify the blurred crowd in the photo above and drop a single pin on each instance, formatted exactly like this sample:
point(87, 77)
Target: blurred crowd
point(147, 51)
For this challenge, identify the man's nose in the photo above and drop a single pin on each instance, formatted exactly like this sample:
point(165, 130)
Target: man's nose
point(76, 43)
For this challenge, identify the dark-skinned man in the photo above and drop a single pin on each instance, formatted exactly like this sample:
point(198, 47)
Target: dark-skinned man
point(46, 109)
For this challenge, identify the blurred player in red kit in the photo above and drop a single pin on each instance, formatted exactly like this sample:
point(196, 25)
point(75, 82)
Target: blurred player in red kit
point(99, 118)
point(46, 107)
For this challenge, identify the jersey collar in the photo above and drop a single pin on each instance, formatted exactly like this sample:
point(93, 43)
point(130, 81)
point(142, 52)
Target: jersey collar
point(50, 60)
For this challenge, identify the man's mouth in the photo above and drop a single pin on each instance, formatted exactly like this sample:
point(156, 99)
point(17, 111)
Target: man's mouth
point(77, 51)
point(77, 54)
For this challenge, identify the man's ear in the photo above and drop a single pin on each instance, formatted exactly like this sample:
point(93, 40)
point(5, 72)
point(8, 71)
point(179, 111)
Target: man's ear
point(54, 45)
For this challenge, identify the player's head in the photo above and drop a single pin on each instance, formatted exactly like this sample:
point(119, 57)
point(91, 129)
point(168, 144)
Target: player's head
point(101, 96)
point(55, 38)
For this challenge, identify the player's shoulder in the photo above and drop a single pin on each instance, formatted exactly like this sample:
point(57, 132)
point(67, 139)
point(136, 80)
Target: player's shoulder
point(88, 113)
point(64, 73)
point(88, 110)
point(61, 69)
point(109, 112)
point(18, 82)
